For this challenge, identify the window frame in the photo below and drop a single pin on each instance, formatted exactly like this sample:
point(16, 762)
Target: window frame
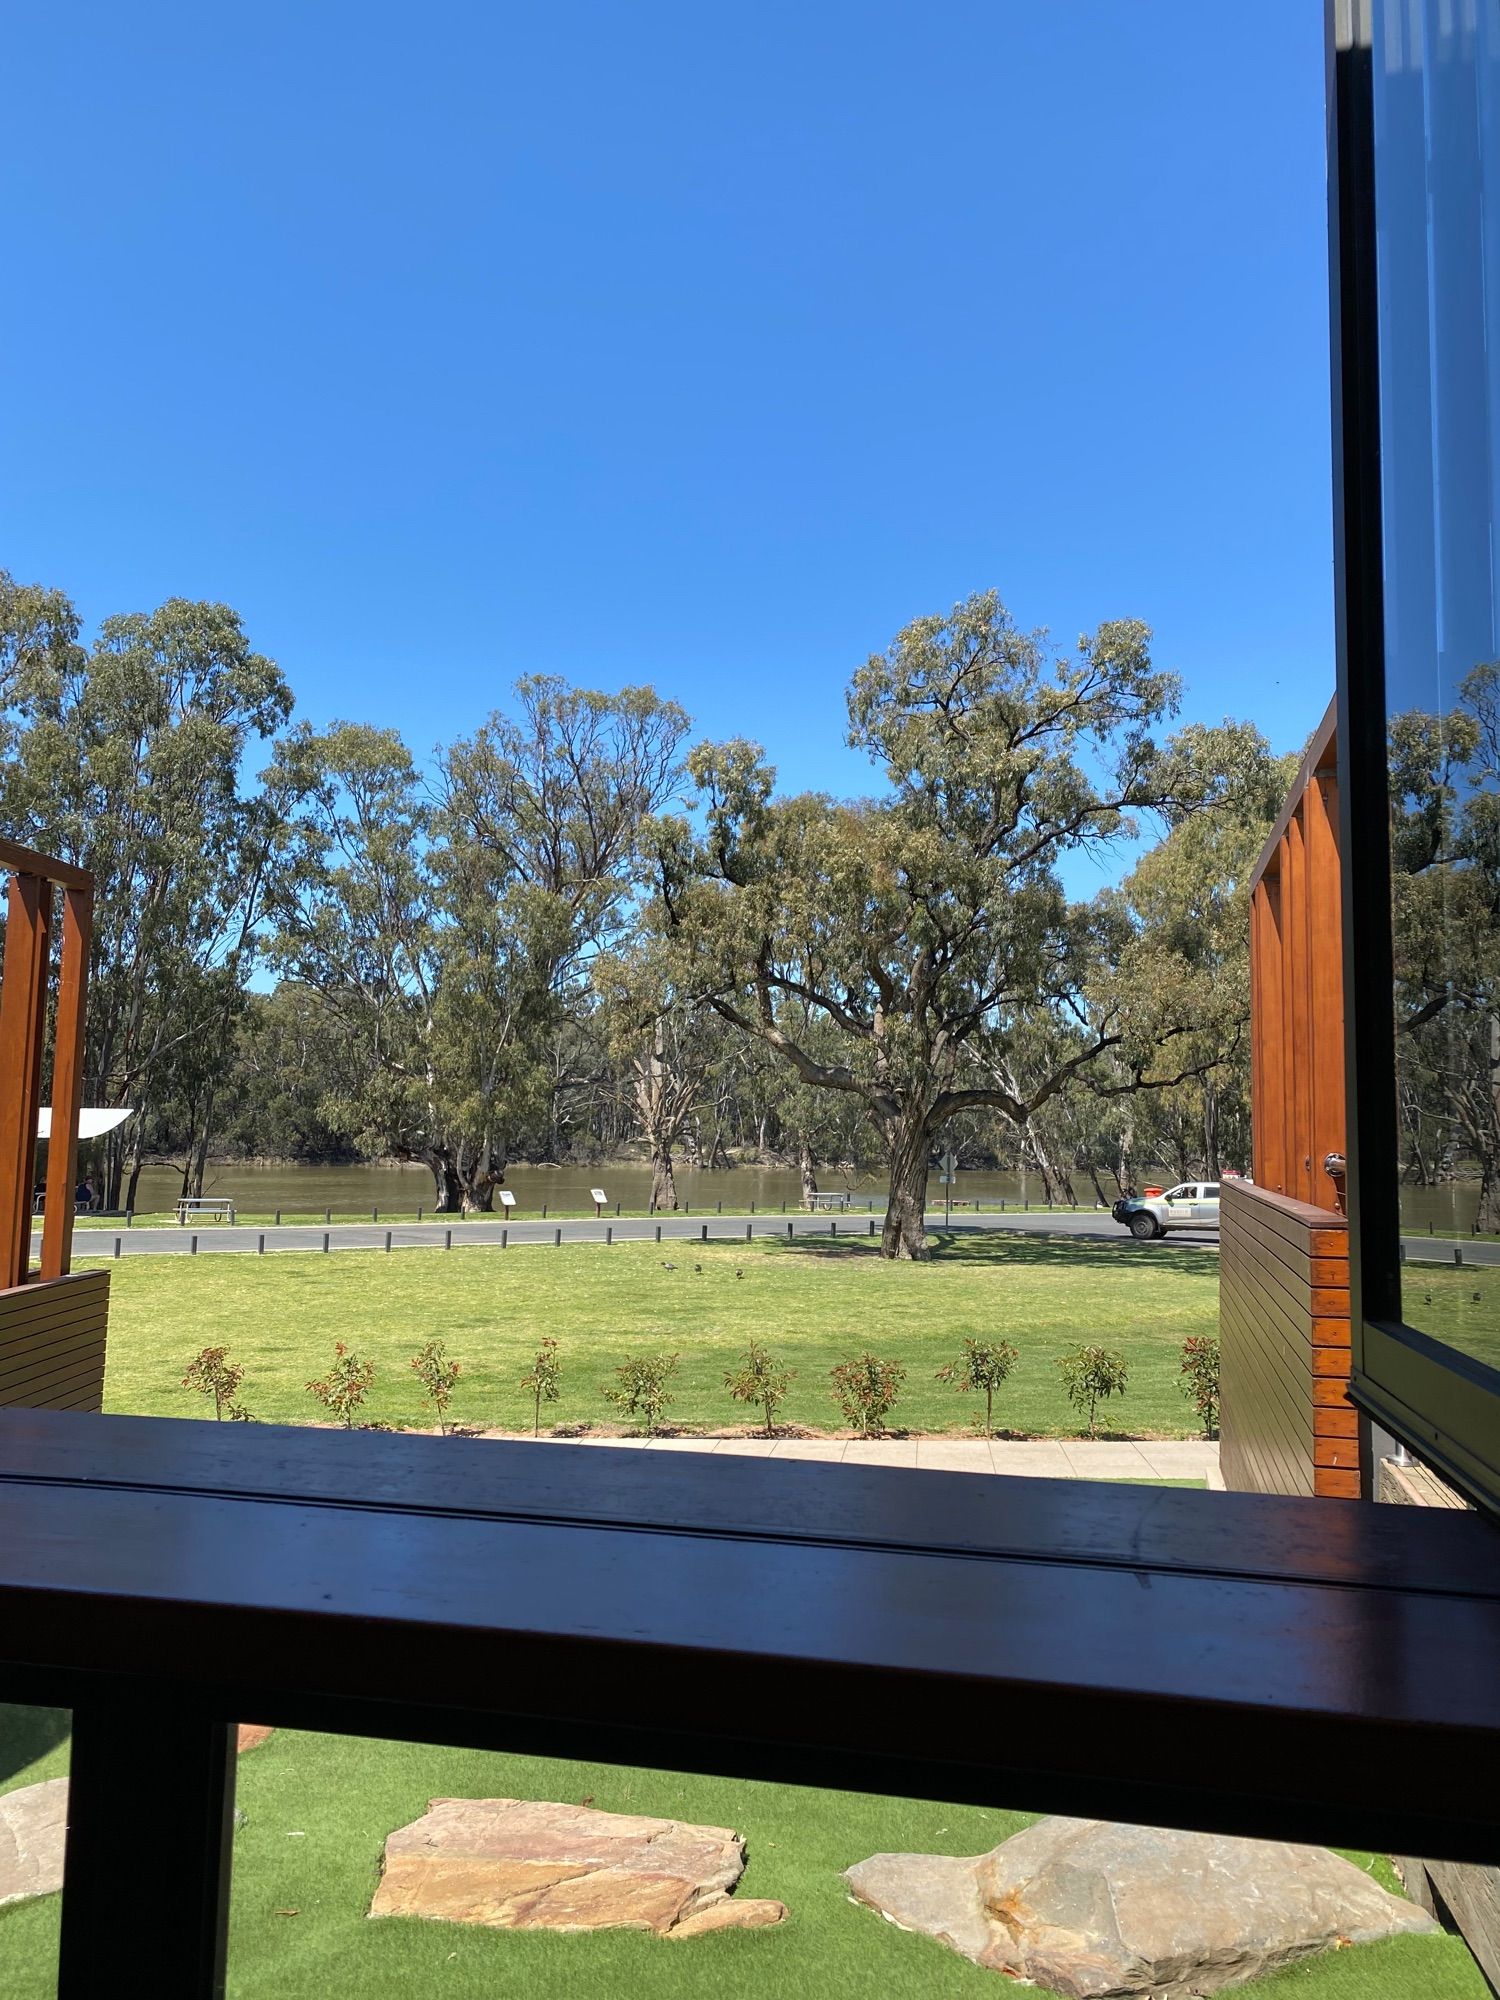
point(1441, 1403)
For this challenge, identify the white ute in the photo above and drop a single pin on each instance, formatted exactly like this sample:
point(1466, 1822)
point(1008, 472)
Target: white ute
point(1192, 1205)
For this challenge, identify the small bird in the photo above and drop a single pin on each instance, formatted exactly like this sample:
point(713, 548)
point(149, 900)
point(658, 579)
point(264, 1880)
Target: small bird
point(740, 1274)
point(699, 1269)
point(666, 1266)
point(1427, 1298)
point(1476, 1298)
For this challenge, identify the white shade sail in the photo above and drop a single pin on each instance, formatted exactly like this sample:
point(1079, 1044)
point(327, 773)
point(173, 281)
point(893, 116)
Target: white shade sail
point(93, 1121)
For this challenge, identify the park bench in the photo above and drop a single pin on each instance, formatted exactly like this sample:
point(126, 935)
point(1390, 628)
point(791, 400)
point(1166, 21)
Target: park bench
point(840, 1198)
point(198, 1208)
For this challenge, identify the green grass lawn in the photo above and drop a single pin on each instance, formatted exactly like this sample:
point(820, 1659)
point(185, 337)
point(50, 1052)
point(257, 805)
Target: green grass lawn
point(319, 1807)
point(814, 1303)
point(1461, 1306)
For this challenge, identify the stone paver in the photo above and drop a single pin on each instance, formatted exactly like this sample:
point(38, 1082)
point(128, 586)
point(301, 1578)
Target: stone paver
point(829, 1453)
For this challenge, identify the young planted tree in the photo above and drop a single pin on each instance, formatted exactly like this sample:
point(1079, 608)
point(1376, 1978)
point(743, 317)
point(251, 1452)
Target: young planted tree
point(641, 1388)
point(982, 1368)
point(438, 1377)
point(1091, 1375)
point(212, 1373)
point(1198, 1379)
point(926, 926)
point(544, 1382)
point(344, 1388)
point(866, 1390)
point(762, 1381)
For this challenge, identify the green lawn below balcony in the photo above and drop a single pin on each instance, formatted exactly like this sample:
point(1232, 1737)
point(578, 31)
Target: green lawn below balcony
point(317, 1810)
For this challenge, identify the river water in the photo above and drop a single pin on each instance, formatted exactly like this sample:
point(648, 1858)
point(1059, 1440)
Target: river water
point(398, 1191)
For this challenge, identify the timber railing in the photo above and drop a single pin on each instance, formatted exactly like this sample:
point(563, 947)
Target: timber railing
point(1256, 1666)
point(52, 1321)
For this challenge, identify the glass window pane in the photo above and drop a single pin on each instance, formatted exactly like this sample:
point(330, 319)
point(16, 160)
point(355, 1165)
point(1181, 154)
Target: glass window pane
point(1437, 106)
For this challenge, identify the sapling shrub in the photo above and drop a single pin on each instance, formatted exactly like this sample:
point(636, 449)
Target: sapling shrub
point(1091, 1375)
point(346, 1385)
point(982, 1368)
point(212, 1373)
point(1198, 1379)
point(543, 1384)
point(762, 1381)
point(641, 1388)
point(865, 1390)
point(437, 1375)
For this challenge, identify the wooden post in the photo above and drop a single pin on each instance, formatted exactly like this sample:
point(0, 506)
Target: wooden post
point(67, 1082)
point(159, 1896)
point(23, 996)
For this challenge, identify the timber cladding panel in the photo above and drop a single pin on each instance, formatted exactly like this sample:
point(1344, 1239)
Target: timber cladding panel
point(1286, 1422)
point(52, 1335)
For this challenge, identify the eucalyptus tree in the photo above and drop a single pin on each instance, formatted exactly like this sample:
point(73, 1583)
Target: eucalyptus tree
point(1445, 850)
point(450, 921)
point(127, 755)
point(926, 925)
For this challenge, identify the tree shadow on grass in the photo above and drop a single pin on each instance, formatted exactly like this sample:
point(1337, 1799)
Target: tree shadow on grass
point(1016, 1250)
point(29, 1733)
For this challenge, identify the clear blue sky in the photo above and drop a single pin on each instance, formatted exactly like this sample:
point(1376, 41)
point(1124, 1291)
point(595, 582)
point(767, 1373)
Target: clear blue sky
point(696, 343)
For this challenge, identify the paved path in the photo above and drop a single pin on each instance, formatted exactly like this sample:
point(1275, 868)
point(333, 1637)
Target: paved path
point(246, 1238)
point(1041, 1458)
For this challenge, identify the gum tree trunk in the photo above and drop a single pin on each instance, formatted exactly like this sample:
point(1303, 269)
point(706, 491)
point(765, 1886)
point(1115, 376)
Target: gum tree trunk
point(905, 1231)
point(809, 1177)
point(663, 1181)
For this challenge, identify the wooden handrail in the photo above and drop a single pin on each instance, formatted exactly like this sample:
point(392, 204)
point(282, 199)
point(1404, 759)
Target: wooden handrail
point(1263, 1667)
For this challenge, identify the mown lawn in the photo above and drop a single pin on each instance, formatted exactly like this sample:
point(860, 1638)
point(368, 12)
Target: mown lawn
point(814, 1304)
point(318, 1809)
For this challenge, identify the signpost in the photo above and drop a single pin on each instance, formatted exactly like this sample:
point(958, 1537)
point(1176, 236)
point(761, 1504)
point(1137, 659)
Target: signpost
point(599, 1198)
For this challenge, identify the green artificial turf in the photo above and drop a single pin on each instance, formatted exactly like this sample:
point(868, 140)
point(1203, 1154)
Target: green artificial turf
point(319, 1807)
point(813, 1303)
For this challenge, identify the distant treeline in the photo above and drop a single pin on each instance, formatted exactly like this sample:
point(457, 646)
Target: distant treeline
point(576, 932)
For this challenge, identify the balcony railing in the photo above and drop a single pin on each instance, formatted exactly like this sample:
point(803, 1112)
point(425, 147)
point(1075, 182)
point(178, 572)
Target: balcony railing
point(1259, 1666)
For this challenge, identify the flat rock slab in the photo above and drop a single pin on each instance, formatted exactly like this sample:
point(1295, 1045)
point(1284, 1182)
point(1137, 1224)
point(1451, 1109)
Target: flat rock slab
point(1091, 1909)
point(522, 1864)
point(33, 1833)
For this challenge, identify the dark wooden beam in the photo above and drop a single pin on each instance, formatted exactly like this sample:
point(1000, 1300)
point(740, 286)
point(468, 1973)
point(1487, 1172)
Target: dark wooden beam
point(1263, 1667)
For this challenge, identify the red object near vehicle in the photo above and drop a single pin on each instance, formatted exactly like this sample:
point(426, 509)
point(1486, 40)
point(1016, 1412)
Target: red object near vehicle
point(1152, 1191)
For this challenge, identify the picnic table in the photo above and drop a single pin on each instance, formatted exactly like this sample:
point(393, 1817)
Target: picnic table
point(840, 1198)
point(212, 1208)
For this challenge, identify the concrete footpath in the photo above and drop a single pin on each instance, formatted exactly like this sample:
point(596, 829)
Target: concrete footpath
point(1035, 1458)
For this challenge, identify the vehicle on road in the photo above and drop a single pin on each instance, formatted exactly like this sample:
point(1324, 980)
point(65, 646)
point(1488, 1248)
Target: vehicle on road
point(1190, 1205)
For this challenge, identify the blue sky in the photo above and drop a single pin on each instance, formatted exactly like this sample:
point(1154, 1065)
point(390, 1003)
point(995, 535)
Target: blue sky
point(698, 344)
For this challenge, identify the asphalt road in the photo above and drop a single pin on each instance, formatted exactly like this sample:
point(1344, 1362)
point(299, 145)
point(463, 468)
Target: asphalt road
point(248, 1239)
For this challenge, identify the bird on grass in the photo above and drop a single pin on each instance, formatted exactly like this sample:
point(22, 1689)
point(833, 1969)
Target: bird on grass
point(699, 1269)
point(740, 1274)
point(666, 1266)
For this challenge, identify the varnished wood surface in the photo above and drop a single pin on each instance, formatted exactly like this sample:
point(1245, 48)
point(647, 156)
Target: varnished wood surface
point(67, 1080)
point(52, 1340)
point(1134, 1651)
point(1287, 1425)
